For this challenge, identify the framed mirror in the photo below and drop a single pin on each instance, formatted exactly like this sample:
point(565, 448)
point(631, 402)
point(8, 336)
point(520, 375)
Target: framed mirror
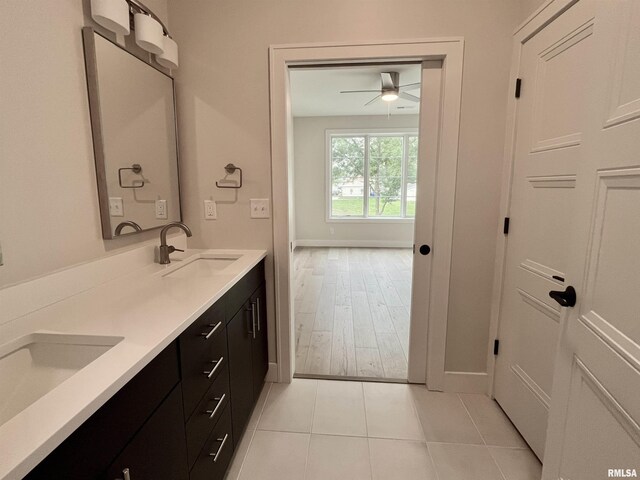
point(133, 120)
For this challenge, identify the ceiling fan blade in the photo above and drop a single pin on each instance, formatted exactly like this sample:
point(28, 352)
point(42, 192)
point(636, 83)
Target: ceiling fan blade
point(410, 86)
point(372, 100)
point(387, 80)
point(408, 96)
point(359, 91)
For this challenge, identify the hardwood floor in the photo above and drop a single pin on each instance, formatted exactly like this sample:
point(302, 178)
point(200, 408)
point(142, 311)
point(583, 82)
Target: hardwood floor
point(352, 311)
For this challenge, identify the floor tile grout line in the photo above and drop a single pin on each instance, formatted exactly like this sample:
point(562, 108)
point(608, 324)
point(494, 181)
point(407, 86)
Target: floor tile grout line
point(433, 462)
point(484, 442)
point(266, 399)
point(246, 454)
point(254, 430)
point(306, 458)
point(481, 436)
point(364, 406)
point(417, 414)
point(313, 410)
point(496, 463)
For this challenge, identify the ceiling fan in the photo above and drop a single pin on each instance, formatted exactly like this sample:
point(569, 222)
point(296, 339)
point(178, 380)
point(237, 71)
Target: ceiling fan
point(391, 89)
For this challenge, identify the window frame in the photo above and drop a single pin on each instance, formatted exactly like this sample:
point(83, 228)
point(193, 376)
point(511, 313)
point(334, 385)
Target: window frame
point(367, 133)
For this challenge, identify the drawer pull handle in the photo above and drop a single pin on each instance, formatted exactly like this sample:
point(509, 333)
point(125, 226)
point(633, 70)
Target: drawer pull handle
point(212, 413)
point(258, 310)
point(207, 335)
point(125, 475)
point(253, 319)
point(223, 441)
point(210, 373)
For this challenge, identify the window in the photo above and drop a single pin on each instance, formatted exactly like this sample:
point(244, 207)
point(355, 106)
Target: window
point(372, 175)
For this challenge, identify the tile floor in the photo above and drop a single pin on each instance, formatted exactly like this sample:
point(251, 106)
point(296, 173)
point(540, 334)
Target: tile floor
point(352, 311)
point(333, 430)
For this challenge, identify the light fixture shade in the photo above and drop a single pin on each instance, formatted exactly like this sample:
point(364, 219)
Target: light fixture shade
point(149, 35)
point(168, 58)
point(389, 96)
point(112, 15)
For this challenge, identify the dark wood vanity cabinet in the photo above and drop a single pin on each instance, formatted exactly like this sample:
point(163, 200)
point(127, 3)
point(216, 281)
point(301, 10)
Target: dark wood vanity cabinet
point(181, 417)
point(247, 339)
point(158, 449)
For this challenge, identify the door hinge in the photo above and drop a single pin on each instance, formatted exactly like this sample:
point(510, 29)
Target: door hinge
point(496, 346)
point(414, 248)
point(518, 87)
point(505, 226)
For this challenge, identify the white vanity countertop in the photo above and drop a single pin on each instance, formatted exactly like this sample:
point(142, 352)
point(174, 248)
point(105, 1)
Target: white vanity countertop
point(145, 308)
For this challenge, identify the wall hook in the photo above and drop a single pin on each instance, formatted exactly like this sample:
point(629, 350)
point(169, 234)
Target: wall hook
point(230, 168)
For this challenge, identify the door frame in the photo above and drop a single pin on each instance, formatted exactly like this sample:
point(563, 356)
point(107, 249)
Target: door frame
point(548, 12)
point(427, 359)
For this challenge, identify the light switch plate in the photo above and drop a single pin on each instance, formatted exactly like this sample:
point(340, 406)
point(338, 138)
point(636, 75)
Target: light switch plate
point(260, 208)
point(115, 207)
point(161, 209)
point(210, 211)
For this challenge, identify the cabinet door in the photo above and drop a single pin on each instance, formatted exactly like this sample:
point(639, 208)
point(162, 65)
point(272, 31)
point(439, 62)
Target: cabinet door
point(259, 350)
point(158, 451)
point(239, 339)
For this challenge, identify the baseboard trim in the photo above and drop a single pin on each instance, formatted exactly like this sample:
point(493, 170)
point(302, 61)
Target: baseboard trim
point(354, 243)
point(465, 382)
point(272, 372)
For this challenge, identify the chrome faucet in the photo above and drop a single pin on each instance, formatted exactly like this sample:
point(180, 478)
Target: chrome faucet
point(165, 249)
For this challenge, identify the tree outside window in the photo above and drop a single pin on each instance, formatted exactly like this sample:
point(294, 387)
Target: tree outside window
point(373, 175)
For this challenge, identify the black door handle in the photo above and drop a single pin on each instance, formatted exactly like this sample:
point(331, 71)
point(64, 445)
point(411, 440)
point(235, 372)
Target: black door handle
point(424, 249)
point(565, 299)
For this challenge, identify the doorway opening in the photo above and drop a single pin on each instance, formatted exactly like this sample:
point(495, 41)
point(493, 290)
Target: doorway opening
point(355, 161)
point(440, 61)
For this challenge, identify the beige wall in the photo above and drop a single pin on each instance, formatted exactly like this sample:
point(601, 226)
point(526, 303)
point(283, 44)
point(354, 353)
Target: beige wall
point(309, 139)
point(223, 110)
point(49, 216)
point(527, 7)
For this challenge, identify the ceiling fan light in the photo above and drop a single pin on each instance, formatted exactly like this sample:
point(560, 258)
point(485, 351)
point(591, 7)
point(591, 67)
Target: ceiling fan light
point(389, 96)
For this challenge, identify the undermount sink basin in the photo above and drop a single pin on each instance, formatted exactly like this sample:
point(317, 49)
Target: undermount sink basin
point(33, 365)
point(203, 266)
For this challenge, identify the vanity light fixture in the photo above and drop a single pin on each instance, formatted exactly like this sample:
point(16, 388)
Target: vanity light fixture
point(169, 57)
point(112, 15)
point(150, 33)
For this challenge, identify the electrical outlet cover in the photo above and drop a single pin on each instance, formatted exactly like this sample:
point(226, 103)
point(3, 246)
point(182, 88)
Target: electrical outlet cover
point(116, 209)
point(210, 211)
point(161, 209)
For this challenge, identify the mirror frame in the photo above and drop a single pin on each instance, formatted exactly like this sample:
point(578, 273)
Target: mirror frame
point(91, 66)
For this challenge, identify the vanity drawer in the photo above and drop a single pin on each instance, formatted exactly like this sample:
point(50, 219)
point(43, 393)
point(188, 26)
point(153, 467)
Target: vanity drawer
point(202, 360)
point(241, 291)
point(206, 414)
point(198, 337)
point(214, 458)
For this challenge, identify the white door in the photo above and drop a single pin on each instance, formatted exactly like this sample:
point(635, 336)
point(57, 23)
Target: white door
point(594, 428)
point(549, 144)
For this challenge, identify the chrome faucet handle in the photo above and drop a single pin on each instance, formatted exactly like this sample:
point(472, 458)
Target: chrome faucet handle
point(174, 249)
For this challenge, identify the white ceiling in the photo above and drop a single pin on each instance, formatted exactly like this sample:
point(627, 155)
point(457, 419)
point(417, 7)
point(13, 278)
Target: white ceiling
point(315, 92)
